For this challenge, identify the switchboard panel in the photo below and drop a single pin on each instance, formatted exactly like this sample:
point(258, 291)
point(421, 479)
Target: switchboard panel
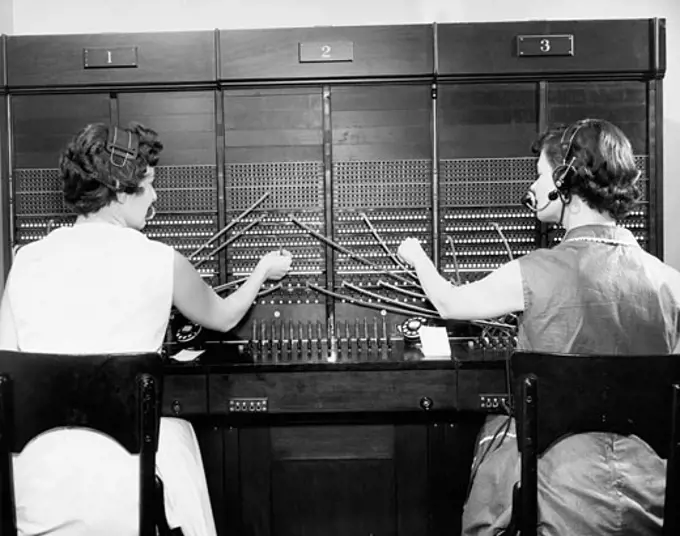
point(335, 143)
point(274, 168)
point(382, 193)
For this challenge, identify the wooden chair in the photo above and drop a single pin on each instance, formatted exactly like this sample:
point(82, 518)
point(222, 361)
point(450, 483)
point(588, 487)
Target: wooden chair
point(556, 395)
point(118, 395)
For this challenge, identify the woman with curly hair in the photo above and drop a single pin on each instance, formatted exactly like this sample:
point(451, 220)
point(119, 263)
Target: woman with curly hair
point(596, 292)
point(101, 286)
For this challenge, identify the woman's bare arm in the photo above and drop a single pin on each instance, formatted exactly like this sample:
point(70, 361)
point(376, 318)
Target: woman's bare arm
point(201, 304)
point(8, 333)
point(499, 293)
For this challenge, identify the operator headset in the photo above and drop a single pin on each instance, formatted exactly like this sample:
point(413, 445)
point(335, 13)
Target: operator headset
point(562, 172)
point(120, 151)
point(122, 145)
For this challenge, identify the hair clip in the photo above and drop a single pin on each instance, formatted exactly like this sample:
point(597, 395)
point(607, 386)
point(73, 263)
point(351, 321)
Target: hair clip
point(126, 150)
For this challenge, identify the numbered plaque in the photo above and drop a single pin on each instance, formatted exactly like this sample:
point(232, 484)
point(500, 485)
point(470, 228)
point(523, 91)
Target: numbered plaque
point(109, 57)
point(326, 52)
point(545, 45)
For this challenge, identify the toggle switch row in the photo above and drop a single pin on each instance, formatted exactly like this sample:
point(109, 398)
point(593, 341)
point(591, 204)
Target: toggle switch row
point(311, 342)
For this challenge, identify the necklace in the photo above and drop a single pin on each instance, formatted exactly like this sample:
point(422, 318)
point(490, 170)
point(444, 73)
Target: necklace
point(611, 241)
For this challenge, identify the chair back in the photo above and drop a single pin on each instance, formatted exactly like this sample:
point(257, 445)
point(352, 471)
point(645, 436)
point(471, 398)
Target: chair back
point(556, 395)
point(115, 394)
point(581, 393)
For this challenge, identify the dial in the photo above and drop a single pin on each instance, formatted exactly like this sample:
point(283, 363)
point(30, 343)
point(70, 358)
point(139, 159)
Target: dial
point(187, 331)
point(410, 328)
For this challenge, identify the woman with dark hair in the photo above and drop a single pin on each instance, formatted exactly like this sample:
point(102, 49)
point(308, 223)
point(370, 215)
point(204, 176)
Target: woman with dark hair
point(101, 286)
point(596, 292)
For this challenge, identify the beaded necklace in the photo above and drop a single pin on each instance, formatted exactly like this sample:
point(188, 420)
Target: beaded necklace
point(611, 241)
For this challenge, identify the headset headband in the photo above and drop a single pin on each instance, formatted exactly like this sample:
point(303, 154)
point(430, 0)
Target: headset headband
point(576, 128)
point(566, 148)
point(122, 145)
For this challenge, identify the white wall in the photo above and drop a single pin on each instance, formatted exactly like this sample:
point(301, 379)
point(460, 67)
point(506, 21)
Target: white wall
point(6, 16)
point(84, 16)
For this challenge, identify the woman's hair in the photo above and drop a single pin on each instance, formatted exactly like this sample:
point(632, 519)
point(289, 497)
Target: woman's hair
point(92, 176)
point(593, 159)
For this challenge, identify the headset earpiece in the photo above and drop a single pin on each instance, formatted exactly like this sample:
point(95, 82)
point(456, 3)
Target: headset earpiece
point(559, 176)
point(562, 174)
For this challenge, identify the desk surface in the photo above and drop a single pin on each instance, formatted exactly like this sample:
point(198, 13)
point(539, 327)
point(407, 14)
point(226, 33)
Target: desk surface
point(237, 358)
point(225, 381)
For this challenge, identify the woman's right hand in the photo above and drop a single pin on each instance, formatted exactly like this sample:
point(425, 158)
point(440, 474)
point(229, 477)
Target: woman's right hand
point(276, 264)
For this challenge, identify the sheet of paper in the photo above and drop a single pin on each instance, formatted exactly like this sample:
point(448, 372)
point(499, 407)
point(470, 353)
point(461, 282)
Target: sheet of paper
point(187, 355)
point(434, 342)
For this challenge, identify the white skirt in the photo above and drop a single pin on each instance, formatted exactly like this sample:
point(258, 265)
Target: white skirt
point(79, 482)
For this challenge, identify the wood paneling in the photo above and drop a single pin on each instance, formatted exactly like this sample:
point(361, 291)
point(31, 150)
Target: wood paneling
point(273, 54)
point(624, 103)
point(228, 506)
point(273, 125)
point(474, 381)
point(332, 443)
point(44, 124)
point(490, 49)
point(185, 122)
point(450, 451)
point(334, 498)
point(185, 395)
point(3, 66)
point(163, 57)
point(255, 468)
point(411, 479)
point(381, 122)
point(489, 120)
point(326, 392)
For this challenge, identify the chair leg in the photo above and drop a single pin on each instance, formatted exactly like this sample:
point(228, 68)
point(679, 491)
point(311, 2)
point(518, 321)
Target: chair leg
point(528, 440)
point(671, 521)
point(7, 506)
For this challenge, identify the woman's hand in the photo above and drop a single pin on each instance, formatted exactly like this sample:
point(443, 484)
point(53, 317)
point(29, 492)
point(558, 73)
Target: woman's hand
point(276, 264)
point(410, 251)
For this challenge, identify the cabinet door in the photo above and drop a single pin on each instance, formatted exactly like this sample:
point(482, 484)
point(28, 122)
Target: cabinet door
point(42, 126)
point(331, 479)
point(485, 167)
